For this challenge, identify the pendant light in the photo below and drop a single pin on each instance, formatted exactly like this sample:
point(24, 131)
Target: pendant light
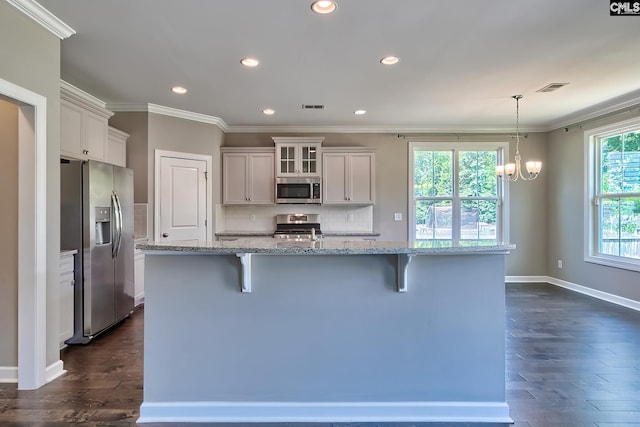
point(513, 171)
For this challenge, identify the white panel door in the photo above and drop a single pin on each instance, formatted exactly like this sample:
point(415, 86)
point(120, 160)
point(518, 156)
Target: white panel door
point(183, 199)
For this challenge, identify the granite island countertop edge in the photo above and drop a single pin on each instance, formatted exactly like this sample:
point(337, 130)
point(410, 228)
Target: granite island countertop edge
point(321, 247)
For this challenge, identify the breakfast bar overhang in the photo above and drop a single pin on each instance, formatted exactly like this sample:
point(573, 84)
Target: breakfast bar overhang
point(324, 331)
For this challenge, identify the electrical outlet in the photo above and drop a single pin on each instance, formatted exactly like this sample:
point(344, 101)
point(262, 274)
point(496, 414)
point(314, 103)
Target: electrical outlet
point(349, 217)
point(559, 263)
point(252, 217)
point(397, 216)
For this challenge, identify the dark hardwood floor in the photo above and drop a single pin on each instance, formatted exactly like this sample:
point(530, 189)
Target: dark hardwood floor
point(571, 361)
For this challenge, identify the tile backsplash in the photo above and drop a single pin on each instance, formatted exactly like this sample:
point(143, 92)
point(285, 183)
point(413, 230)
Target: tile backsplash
point(262, 218)
point(140, 220)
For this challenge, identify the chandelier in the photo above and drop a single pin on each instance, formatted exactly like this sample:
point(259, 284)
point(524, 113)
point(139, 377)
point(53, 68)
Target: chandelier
point(513, 171)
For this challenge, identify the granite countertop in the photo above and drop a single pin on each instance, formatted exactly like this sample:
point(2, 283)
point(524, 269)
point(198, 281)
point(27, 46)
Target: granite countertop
point(322, 247)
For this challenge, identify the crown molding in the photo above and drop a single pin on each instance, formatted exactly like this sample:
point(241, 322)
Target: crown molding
point(618, 105)
point(610, 108)
point(168, 111)
point(297, 139)
point(42, 16)
point(117, 132)
point(124, 107)
point(77, 96)
point(381, 129)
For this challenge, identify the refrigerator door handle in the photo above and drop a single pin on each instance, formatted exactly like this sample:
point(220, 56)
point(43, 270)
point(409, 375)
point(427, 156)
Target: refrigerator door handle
point(119, 223)
point(114, 208)
point(115, 241)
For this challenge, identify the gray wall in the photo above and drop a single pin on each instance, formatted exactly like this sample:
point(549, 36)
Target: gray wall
point(565, 239)
point(31, 59)
point(149, 132)
point(527, 202)
point(186, 136)
point(9, 231)
point(136, 124)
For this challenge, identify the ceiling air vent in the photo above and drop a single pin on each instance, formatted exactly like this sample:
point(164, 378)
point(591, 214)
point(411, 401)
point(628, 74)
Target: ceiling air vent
point(551, 87)
point(312, 107)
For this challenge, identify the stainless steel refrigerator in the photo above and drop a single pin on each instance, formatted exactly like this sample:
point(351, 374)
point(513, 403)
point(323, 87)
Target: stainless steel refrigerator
point(96, 218)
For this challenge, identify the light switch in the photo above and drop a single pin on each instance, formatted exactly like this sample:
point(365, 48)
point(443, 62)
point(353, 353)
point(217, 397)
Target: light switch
point(397, 216)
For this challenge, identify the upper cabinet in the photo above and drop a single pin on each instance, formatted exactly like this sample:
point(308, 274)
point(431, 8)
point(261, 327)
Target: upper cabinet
point(83, 124)
point(348, 176)
point(248, 176)
point(298, 156)
point(116, 152)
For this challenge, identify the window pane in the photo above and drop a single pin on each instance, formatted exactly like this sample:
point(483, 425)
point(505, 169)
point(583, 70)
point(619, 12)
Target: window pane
point(433, 173)
point(478, 220)
point(620, 167)
point(477, 173)
point(631, 163)
point(433, 220)
point(620, 227)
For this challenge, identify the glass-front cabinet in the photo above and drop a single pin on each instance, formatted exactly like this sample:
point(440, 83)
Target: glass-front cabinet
point(298, 156)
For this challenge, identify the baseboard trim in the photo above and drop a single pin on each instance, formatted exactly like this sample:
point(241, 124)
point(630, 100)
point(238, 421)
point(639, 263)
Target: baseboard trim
point(293, 412)
point(139, 299)
point(526, 279)
point(8, 374)
point(604, 296)
point(54, 371)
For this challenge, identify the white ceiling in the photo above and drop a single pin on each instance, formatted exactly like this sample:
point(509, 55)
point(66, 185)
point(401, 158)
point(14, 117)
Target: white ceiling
point(461, 61)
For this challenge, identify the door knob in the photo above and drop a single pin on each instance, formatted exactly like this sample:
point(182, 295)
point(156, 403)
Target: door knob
point(165, 234)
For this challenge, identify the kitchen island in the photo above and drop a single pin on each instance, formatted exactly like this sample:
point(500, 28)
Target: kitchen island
point(326, 331)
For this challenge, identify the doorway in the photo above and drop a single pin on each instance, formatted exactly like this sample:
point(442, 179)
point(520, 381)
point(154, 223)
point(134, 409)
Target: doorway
point(32, 371)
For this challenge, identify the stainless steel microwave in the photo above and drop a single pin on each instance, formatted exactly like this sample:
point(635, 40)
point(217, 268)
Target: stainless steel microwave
point(298, 190)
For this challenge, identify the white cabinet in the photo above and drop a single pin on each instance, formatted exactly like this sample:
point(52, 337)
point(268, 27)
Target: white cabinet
point(116, 152)
point(298, 156)
point(348, 176)
point(248, 176)
point(138, 282)
point(66, 295)
point(83, 124)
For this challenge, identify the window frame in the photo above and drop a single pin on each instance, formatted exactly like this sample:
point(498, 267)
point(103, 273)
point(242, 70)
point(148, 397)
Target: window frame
point(592, 179)
point(502, 151)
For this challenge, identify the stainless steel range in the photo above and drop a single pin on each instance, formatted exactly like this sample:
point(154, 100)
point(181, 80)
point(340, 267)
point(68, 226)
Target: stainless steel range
point(298, 227)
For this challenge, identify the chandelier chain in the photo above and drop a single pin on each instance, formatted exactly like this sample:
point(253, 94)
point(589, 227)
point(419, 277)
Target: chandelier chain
point(517, 98)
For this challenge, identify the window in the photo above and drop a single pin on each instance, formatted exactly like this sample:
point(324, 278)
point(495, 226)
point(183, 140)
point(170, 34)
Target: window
point(614, 195)
point(455, 193)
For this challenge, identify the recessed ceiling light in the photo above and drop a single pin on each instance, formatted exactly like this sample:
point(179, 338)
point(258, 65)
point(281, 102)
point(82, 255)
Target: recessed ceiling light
point(323, 6)
point(249, 62)
point(390, 60)
point(268, 111)
point(179, 90)
point(360, 112)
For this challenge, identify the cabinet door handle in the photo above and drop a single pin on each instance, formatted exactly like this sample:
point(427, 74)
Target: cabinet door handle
point(165, 234)
point(85, 151)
